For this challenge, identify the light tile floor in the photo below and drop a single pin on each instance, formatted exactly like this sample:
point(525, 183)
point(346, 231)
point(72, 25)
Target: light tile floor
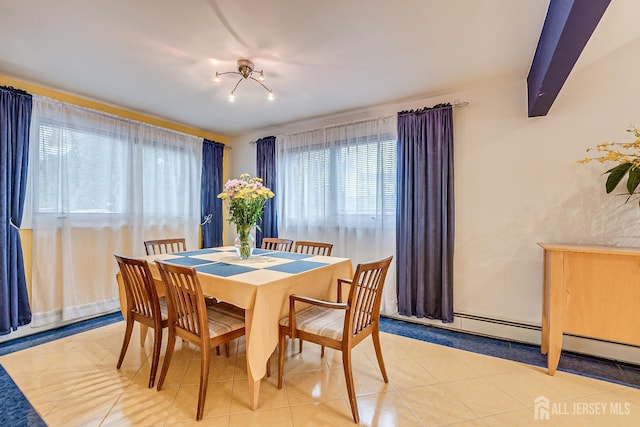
point(73, 381)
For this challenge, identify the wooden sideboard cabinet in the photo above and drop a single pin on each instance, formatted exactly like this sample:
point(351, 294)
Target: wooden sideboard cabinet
point(589, 291)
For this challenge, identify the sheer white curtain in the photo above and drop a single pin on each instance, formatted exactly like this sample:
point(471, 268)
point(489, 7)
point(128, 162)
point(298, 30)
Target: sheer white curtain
point(99, 184)
point(338, 185)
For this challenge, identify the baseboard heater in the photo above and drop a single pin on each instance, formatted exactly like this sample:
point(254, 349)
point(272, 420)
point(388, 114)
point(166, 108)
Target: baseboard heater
point(498, 321)
point(529, 334)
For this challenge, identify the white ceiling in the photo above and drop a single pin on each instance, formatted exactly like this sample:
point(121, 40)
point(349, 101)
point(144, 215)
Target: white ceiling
point(319, 57)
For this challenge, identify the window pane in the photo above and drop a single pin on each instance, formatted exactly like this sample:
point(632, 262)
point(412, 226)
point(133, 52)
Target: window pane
point(368, 178)
point(311, 169)
point(164, 173)
point(86, 172)
point(89, 164)
point(351, 178)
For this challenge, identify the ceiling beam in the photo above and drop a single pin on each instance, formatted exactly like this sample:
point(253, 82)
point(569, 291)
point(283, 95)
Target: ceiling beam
point(567, 28)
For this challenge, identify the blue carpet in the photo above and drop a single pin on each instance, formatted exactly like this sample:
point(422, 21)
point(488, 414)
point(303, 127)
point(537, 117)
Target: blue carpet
point(54, 334)
point(15, 409)
point(593, 367)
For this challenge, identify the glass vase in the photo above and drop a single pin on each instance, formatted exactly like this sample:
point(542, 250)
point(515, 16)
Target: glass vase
point(245, 243)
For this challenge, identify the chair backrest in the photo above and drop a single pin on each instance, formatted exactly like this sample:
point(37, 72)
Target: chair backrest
point(185, 301)
point(165, 246)
point(365, 295)
point(275, 244)
point(140, 290)
point(313, 248)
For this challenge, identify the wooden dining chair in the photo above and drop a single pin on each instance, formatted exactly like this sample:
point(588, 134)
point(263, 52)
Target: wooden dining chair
point(312, 248)
point(193, 321)
point(143, 306)
point(275, 244)
point(340, 326)
point(165, 246)
point(168, 246)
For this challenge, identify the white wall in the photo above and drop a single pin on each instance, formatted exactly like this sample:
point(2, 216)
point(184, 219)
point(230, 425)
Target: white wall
point(517, 182)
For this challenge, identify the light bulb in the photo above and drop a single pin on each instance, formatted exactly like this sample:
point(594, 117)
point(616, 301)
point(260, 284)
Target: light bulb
point(217, 78)
point(232, 97)
point(261, 76)
point(271, 97)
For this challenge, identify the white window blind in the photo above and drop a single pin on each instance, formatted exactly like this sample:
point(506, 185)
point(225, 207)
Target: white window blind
point(369, 179)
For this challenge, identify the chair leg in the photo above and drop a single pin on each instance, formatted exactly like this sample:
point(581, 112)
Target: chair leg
point(155, 358)
point(351, 391)
point(218, 351)
point(171, 343)
point(143, 334)
point(281, 339)
point(127, 338)
point(376, 344)
point(226, 349)
point(321, 348)
point(204, 379)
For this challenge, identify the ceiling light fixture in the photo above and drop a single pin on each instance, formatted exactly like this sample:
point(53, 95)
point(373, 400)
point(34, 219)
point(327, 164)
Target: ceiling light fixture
point(246, 70)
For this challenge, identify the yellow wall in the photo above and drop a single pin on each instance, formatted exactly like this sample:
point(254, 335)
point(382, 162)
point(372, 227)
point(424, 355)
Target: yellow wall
point(96, 105)
point(26, 235)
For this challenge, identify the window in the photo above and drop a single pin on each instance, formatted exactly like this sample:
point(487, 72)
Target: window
point(84, 171)
point(337, 174)
point(79, 172)
point(311, 167)
point(338, 185)
point(99, 185)
point(368, 180)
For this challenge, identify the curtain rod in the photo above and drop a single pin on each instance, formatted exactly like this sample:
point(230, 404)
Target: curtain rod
point(456, 104)
point(459, 104)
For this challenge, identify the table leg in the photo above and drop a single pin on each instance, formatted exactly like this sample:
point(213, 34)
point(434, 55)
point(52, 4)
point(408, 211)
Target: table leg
point(544, 341)
point(555, 310)
point(254, 383)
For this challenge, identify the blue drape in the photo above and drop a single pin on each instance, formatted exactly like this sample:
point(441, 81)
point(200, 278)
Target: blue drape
point(266, 169)
point(212, 154)
point(15, 119)
point(425, 213)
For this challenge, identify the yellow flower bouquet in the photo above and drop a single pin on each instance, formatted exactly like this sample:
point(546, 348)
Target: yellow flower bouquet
point(627, 155)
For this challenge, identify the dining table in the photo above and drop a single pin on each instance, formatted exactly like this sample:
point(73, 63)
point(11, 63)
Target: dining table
point(261, 285)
